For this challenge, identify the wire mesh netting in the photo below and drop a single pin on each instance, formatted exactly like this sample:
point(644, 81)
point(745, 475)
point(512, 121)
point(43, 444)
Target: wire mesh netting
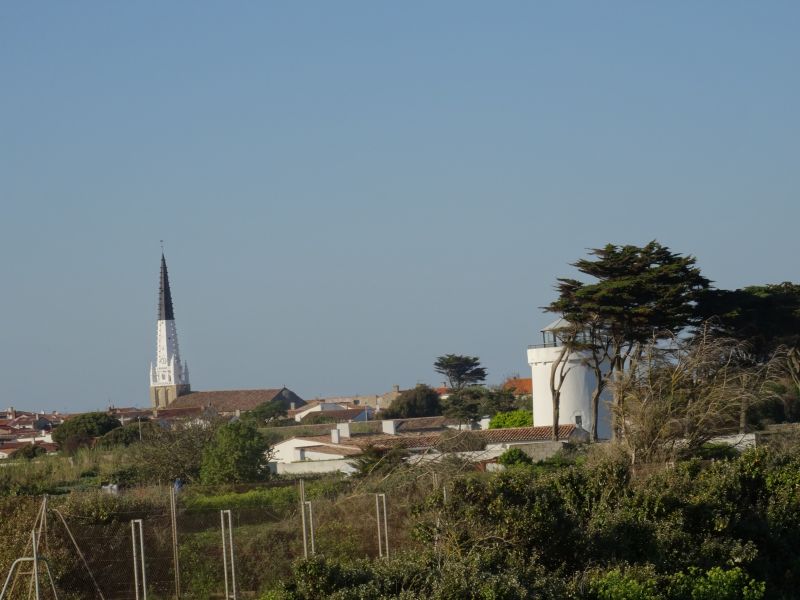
point(89, 545)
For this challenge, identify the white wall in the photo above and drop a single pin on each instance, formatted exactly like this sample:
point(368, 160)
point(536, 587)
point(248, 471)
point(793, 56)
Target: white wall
point(317, 466)
point(576, 392)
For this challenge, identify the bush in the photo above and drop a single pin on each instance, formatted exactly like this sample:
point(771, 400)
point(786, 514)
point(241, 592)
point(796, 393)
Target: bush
point(81, 428)
point(514, 418)
point(514, 456)
point(421, 401)
point(28, 452)
point(237, 454)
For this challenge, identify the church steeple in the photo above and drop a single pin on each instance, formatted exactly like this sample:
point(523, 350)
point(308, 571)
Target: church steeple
point(169, 377)
point(164, 295)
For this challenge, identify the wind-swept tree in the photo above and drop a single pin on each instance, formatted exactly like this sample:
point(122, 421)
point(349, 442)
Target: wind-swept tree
point(461, 371)
point(676, 396)
point(635, 292)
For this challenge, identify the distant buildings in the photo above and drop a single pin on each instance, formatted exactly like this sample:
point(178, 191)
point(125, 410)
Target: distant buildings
point(169, 377)
point(21, 428)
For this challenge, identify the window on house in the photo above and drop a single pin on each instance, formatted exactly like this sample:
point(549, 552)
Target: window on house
point(579, 420)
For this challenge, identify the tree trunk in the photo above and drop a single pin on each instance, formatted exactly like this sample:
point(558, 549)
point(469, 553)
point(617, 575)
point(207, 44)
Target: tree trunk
point(743, 417)
point(595, 409)
point(556, 411)
point(555, 390)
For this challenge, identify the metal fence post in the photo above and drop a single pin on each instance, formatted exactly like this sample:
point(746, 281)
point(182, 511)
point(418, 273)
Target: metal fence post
point(137, 524)
point(385, 526)
point(378, 521)
point(311, 527)
point(173, 509)
point(227, 553)
point(303, 517)
point(35, 564)
point(383, 539)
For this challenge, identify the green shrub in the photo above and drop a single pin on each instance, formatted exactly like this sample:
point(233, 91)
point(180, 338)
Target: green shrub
point(514, 418)
point(514, 456)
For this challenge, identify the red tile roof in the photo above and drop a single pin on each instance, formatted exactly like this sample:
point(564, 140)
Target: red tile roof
point(525, 434)
point(178, 412)
point(226, 401)
point(519, 385)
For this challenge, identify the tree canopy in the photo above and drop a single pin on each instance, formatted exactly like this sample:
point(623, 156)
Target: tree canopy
point(764, 316)
point(420, 401)
point(84, 427)
point(237, 454)
point(267, 413)
point(461, 371)
point(636, 293)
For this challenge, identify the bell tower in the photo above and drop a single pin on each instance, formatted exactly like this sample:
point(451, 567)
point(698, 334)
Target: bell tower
point(169, 378)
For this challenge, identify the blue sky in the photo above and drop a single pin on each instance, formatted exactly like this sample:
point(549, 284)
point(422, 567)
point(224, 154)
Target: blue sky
point(348, 190)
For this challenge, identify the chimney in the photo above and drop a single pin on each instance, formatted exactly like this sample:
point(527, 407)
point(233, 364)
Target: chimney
point(335, 436)
point(344, 430)
point(396, 388)
point(389, 427)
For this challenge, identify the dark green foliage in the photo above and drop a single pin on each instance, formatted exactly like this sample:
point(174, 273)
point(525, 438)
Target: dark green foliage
point(711, 451)
point(237, 454)
point(267, 413)
point(637, 290)
point(420, 401)
point(699, 531)
point(764, 316)
point(128, 434)
point(28, 452)
point(78, 431)
point(317, 418)
point(514, 418)
point(460, 371)
point(465, 404)
point(173, 453)
point(513, 457)
point(636, 293)
point(473, 402)
point(378, 461)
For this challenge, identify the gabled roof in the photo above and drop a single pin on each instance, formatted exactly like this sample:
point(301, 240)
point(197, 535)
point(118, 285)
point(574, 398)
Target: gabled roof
point(173, 412)
point(228, 401)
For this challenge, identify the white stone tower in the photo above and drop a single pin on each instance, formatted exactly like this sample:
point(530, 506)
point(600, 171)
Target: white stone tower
point(575, 407)
point(169, 378)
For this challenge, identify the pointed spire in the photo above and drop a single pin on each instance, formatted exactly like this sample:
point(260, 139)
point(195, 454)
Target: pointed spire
point(164, 296)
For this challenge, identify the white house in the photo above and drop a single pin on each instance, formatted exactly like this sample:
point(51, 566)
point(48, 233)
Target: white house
point(576, 391)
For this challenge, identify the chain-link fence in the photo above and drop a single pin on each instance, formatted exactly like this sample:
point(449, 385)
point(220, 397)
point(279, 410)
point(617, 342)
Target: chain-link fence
point(89, 544)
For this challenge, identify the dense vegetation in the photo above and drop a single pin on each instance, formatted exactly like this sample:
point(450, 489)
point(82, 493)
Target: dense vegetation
point(592, 530)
